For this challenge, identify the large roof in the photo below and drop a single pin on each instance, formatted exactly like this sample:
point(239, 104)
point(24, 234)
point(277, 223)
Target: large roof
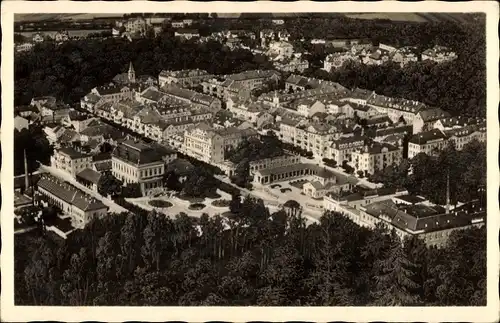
point(137, 153)
point(424, 137)
point(69, 193)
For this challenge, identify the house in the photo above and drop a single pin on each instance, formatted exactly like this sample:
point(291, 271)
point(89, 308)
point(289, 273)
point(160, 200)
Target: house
point(113, 92)
point(456, 122)
point(280, 48)
point(294, 64)
point(405, 55)
point(136, 162)
point(336, 60)
point(70, 160)
point(425, 119)
point(342, 202)
point(396, 108)
point(135, 25)
point(439, 54)
point(61, 36)
point(184, 78)
point(308, 107)
point(462, 136)
point(428, 142)
point(177, 24)
point(50, 110)
point(71, 200)
point(324, 182)
point(187, 33)
point(38, 38)
point(375, 157)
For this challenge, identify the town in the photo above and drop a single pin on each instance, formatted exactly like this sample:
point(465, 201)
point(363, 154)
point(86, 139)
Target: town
point(201, 145)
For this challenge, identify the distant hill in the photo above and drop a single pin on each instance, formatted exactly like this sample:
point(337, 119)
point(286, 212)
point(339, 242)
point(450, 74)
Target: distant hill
point(414, 16)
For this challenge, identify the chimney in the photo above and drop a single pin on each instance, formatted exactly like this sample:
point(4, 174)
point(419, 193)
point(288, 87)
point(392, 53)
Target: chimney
point(26, 181)
point(448, 193)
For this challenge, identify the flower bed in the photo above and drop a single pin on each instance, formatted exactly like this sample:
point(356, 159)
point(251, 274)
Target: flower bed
point(276, 186)
point(284, 190)
point(197, 206)
point(160, 203)
point(221, 203)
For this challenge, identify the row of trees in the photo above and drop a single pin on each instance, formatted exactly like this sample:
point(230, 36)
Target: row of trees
point(253, 258)
point(427, 175)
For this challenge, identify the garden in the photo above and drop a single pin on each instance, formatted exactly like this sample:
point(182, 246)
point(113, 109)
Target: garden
point(197, 206)
point(160, 203)
point(221, 203)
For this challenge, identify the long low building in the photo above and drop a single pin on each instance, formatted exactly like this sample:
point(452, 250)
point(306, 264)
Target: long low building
point(411, 217)
point(70, 200)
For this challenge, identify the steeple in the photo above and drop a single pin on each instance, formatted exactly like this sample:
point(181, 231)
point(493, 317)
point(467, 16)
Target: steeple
point(131, 73)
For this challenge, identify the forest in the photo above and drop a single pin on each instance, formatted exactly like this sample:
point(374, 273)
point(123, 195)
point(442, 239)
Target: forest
point(250, 258)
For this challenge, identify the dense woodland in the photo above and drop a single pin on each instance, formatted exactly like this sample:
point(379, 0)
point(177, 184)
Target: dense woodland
point(260, 259)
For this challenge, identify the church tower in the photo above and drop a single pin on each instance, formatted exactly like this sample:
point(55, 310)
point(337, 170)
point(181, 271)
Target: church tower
point(131, 73)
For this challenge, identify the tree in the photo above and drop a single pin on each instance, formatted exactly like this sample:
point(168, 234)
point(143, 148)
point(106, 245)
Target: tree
point(235, 204)
point(395, 283)
point(109, 185)
point(241, 175)
point(199, 183)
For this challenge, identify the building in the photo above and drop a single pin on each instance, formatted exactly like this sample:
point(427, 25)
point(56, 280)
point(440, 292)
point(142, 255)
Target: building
point(113, 92)
point(324, 182)
point(405, 55)
point(439, 54)
point(127, 78)
point(462, 136)
point(38, 38)
point(240, 84)
point(89, 178)
point(280, 49)
point(341, 149)
point(308, 135)
point(24, 47)
point(425, 119)
point(456, 122)
point(278, 21)
point(376, 156)
point(342, 202)
point(184, 78)
point(245, 110)
point(428, 142)
point(273, 162)
point(209, 145)
point(396, 108)
point(135, 25)
point(138, 163)
point(72, 201)
point(50, 110)
point(70, 160)
point(432, 223)
point(294, 64)
point(336, 60)
point(187, 33)
point(61, 36)
point(185, 96)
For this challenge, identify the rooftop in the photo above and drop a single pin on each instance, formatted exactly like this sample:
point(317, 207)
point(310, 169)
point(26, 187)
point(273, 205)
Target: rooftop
point(69, 193)
point(425, 137)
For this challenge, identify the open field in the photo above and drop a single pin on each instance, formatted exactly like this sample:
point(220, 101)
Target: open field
point(413, 16)
point(63, 16)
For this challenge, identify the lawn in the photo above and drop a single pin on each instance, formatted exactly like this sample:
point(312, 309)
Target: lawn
point(197, 206)
point(191, 199)
point(221, 203)
point(160, 203)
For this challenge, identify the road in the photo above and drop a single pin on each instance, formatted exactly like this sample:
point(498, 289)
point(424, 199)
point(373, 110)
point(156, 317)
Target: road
point(339, 170)
point(113, 207)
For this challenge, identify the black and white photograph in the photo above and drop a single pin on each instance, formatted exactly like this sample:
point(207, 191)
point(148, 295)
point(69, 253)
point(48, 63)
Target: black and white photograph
point(203, 158)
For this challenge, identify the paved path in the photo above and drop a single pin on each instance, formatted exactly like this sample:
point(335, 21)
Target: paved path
point(113, 207)
point(312, 215)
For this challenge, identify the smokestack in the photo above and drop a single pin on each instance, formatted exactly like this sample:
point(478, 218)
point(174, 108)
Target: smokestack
point(448, 193)
point(26, 181)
